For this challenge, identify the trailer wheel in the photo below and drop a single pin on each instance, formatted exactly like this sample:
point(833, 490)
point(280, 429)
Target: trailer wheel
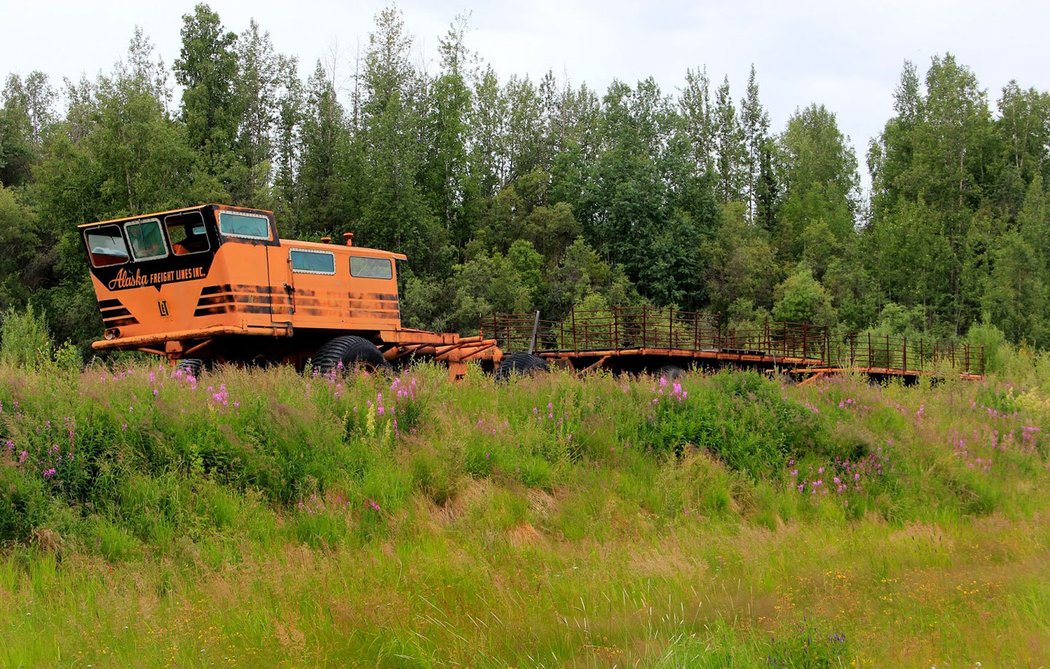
point(190, 367)
point(670, 372)
point(523, 364)
point(350, 350)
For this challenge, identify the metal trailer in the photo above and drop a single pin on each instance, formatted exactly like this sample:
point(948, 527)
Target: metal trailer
point(656, 340)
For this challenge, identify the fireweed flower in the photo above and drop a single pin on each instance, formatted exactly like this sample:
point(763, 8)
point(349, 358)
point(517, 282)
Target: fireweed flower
point(222, 396)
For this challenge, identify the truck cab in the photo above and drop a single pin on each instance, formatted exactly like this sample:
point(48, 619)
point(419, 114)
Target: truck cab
point(178, 282)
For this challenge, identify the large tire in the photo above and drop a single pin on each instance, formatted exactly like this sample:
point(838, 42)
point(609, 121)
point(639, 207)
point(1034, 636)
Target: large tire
point(190, 367)
point(670, 372)
point(350, 350)
point(520, 364)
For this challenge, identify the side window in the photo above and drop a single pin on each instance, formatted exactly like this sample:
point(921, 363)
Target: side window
point(312, 262)
point(364, 267)
point(146, 238)
point(186, 233)
point(106, 246)
point(248, 226)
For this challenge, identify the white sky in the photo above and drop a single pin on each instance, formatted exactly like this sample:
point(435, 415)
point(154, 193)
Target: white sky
point(846, 55)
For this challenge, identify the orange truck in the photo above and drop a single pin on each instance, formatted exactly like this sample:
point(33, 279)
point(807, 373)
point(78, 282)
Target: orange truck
point(217, 284)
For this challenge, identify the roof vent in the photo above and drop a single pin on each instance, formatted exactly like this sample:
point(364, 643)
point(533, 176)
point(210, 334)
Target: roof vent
point(349, 237)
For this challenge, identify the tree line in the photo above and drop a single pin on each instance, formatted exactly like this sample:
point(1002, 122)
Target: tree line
point(515, 195)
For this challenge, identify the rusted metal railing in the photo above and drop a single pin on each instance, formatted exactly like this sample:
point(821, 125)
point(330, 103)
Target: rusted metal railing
point(668, 331)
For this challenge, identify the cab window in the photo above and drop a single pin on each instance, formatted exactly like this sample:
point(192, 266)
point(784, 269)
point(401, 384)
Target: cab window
point(312, 262)
point(186, 233)
point(364, 267)
point(106, 246)
point(240, 224)
point(146, 239)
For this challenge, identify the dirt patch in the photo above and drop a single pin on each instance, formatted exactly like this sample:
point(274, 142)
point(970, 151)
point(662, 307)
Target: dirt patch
point(542, 503)
point(48, 540)
point(473, 492)
point(668, 562)
point(524, 534)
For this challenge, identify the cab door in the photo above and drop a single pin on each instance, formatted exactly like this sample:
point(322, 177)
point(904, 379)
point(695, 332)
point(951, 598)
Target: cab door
point(317, 293)
point(249, 240)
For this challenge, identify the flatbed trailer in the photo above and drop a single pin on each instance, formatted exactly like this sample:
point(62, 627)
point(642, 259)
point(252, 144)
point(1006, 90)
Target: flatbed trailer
point(655, 339)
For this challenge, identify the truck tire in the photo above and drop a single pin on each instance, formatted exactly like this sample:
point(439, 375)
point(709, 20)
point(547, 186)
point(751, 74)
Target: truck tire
point(670, 372)
point(350, 350)
point(520, 364)
point(190, 367)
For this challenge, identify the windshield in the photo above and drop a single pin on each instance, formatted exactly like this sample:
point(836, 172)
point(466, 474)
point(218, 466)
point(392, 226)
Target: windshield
point(106, 246)
point(146, 239)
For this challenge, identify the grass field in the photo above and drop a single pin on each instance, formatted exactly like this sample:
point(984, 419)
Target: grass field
point(264, 518)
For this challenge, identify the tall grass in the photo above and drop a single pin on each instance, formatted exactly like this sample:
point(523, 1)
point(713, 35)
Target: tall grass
point(267, 518)
point(24, 339)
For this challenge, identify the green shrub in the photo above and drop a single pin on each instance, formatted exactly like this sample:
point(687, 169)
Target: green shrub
point(23, 501)
point(319, 527)
point(741, 417)
point(994, 342)
point(24, 339)
point(69, 358)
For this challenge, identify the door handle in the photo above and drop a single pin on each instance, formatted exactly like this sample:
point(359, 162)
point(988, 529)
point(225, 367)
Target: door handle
point(290, 289)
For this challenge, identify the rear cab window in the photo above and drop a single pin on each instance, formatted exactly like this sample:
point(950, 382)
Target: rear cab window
point(307, 261)
point(106, 246)
point(243, 225)
point(366, 267)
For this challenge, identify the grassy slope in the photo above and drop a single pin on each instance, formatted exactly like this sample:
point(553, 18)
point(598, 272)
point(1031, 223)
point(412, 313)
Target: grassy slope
point(265, 519)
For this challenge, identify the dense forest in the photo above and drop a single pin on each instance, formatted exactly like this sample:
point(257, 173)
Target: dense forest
point(515, 194)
